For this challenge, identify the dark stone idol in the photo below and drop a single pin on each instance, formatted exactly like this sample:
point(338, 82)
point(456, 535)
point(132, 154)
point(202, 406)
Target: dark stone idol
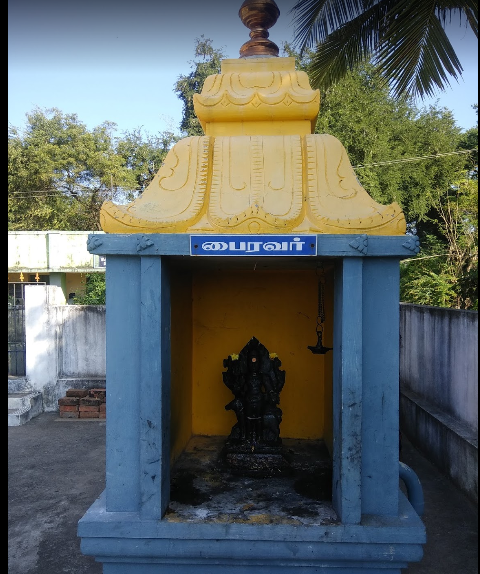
point(254, 445)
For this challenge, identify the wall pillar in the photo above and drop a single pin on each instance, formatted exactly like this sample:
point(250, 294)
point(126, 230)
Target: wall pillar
point(380, 404)
point(347, 390)
point(41, 326)
point(60, 280)
point(138, 390)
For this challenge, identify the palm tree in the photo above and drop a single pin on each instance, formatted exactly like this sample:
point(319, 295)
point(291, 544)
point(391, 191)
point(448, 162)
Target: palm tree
point(405, 39)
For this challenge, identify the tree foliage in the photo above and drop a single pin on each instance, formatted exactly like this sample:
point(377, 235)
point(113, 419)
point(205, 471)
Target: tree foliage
point(143, 154)
point(445, 273)
point(390, 141)
point(414, 157)
point(206, 63)
point(406, 40)
point(95, 291)
point(60, 173)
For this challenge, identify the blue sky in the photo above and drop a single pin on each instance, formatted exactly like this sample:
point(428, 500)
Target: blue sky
point(118, 61)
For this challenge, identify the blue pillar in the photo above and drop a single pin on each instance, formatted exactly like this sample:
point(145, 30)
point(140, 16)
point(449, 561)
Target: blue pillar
point(138, 389)
point(123, 383)
point(380, 405)
point(155, 387)
point(347, 390)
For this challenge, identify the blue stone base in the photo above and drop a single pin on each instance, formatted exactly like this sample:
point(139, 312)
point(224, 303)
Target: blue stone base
point(127, 544)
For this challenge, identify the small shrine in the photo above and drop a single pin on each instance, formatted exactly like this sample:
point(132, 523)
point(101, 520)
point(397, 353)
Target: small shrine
point(253, 347)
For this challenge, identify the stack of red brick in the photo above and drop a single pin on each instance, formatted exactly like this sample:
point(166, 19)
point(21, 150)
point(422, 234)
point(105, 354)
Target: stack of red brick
point(83, 404)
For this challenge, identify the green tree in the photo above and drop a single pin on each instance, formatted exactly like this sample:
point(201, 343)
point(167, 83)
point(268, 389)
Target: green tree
point(421, 159)
point(60, 173)
point(445, 273)
point(206, 63)
point(143, 154)
point(390, 141)
point(95, 291)
point(418, 158)
point(405, 38)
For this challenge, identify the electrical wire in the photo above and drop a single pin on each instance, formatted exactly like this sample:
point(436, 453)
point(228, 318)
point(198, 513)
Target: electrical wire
point(418, 158)
point(55, 192)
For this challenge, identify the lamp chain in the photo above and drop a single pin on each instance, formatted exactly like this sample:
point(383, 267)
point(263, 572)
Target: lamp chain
point(321, 303)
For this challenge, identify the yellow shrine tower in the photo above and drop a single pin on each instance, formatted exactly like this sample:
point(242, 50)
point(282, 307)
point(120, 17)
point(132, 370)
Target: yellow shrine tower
point(259, 168)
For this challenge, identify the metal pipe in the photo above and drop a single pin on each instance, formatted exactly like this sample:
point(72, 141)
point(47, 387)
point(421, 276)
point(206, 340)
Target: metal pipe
point(414, 488)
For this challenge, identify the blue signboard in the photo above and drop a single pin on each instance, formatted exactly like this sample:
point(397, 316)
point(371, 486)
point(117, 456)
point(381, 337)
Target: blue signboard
point(248, 245)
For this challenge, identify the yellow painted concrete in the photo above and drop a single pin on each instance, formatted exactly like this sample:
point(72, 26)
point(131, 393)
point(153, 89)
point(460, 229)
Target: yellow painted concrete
point(258, 128)
point(181, 362)
point(279, 308)
point(258, 169)
point(266, 90)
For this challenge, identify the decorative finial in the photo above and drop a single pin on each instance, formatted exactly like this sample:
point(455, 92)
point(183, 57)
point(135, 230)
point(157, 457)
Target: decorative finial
point(259, 16)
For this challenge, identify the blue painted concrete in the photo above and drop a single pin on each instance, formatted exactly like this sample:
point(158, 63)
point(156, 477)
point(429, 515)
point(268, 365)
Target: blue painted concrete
point(347, 390)
point(414, 488)
point(380, 384)
point(126, 529)
point(179, 244)
point(123, 368)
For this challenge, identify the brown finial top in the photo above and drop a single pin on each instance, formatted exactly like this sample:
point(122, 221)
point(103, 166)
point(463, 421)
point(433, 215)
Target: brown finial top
point(259, 15)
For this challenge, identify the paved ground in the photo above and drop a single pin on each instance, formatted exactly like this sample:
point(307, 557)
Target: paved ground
point(56, 469)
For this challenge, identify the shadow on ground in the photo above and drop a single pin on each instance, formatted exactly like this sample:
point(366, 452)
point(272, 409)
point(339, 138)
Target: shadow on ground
point(56, 470)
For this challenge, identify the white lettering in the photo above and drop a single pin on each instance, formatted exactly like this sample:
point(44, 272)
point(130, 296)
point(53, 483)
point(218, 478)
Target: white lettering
point(233, 246)
point(272, 246)
point(297, 244)
point(254, 246)
point(214, 246)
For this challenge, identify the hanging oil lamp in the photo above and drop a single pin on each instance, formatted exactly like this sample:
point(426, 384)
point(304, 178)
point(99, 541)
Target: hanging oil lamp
point(319, 349)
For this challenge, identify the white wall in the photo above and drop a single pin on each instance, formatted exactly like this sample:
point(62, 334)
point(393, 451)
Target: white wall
point(82, 333)
point(50, 251)
point(65, 343)
point(41, 361)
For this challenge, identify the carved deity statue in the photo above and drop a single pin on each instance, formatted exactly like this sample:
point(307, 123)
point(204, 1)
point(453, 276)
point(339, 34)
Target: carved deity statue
point(255, 379)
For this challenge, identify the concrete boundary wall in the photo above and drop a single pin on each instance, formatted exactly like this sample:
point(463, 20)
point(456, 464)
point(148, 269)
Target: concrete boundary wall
point(439, 358)
point(452, 446)
point(439, 389)
point(438, 372)
point(65, 344)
